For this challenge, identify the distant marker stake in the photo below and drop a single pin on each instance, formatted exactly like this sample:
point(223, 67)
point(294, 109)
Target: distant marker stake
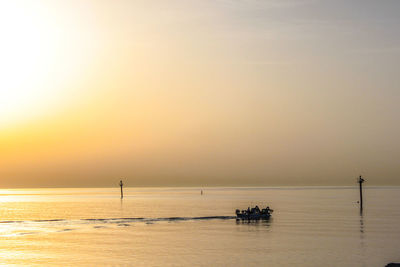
point(121, 185)
point(360, 181)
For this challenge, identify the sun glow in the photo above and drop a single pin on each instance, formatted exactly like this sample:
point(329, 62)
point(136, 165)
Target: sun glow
point(38, 60)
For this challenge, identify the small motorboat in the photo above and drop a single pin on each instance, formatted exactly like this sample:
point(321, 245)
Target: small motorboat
point(254, 214)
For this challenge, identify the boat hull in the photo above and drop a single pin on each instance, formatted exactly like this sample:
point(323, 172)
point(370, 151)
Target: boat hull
point(253, 216)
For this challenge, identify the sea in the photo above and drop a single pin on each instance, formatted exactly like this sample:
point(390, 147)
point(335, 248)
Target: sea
point(310, 226)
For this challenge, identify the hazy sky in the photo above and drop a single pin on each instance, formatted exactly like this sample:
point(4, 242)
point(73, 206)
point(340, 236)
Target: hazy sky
point(223, 92)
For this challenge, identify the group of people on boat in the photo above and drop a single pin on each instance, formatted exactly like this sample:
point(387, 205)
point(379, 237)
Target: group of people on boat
point(254, 211)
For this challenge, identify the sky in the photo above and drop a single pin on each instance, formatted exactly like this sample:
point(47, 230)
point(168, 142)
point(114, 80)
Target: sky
point(199, 93)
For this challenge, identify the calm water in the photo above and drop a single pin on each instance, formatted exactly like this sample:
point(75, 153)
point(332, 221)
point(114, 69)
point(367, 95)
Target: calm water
point(172, 227)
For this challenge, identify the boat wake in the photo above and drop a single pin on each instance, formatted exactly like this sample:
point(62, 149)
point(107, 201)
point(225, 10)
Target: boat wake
point(127, 220)
point(12, 228)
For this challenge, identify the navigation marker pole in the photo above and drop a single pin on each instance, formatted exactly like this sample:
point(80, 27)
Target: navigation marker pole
point(121, 185)
point(360, 181)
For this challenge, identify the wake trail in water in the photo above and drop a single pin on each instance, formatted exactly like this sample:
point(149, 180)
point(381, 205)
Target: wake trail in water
point(129, 219)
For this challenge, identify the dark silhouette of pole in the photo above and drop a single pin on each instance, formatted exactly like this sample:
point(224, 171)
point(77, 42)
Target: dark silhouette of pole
point(361, 181)
point(121, 185)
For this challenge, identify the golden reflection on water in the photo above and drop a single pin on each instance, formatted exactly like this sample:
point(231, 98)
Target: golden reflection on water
point(160, 227)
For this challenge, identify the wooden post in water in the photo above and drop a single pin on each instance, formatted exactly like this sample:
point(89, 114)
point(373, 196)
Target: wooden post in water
point(360, 181)
point(121, 185)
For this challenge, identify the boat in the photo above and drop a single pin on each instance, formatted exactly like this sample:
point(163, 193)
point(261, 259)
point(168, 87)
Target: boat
point(254, 214)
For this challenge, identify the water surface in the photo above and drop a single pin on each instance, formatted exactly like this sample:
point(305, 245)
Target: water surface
point(318, 226)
